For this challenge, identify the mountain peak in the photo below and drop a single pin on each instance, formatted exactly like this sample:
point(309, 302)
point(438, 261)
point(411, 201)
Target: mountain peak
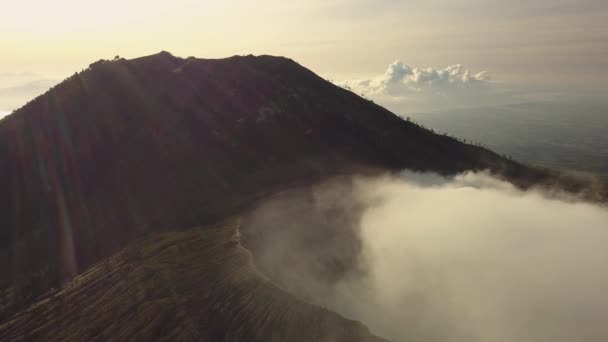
point(160, 142)
point(165, 53)
point(160, 57)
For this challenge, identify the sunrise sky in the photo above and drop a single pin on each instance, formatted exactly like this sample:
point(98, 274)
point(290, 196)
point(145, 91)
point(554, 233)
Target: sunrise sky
point(543, 48)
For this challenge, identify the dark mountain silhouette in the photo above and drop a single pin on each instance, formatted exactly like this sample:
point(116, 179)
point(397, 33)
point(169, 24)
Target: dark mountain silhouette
point(158, 143)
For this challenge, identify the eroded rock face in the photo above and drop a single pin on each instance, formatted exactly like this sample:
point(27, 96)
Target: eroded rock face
point(196, 285)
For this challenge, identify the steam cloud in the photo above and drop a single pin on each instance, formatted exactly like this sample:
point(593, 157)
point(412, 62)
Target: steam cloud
point(426, 258)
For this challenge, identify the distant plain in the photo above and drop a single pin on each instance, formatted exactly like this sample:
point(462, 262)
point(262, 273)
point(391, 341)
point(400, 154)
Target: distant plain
point(563, 136)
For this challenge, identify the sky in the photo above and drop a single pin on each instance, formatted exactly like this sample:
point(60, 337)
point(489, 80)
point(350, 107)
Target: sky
point(521, 48)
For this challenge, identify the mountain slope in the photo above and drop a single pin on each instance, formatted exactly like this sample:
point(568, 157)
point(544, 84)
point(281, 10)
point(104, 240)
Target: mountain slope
point(127, 147)
point(169, 287)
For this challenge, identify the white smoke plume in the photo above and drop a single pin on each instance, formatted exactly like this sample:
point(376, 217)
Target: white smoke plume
point(426, 258)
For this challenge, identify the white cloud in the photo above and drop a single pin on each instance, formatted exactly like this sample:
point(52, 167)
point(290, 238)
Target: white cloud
point(469, 258)
point(482, 261)
point(404, 88)
point(400, 79)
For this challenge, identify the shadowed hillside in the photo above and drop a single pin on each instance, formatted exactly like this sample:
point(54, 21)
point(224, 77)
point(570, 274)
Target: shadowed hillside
point(127, 147)
point(169, 287)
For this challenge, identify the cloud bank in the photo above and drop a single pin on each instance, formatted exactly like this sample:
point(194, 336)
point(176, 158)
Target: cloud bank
point(404, 88)
point(17, 88)
point(400, 78)
point(427, 258)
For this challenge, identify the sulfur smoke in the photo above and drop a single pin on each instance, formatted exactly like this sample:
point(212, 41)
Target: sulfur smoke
point(424, 258)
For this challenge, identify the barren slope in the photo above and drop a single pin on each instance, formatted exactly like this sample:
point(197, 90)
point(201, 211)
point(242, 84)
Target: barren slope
point(195, 285)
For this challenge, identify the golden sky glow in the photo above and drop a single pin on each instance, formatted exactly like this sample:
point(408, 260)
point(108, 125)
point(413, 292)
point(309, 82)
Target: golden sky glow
point(548, 41)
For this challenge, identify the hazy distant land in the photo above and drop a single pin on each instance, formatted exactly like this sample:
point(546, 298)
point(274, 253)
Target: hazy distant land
point(560, 136)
